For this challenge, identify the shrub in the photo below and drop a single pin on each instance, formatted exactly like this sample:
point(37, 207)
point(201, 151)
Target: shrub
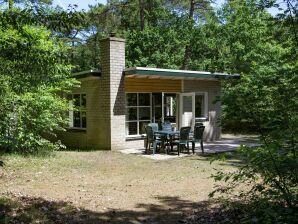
point(267, 181)
point(33, 72)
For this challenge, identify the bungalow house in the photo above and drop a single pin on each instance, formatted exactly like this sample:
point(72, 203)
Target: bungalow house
point(116, 103)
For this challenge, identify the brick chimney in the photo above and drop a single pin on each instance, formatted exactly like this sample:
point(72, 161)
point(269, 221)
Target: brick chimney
point(113, 95)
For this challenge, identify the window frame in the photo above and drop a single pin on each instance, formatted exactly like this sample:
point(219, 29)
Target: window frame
point(206, 106)
point(81, 110)
point(137, 115)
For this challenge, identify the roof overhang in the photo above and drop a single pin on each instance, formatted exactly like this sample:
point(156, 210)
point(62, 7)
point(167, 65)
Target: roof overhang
point(87, 74)
point(144, 72)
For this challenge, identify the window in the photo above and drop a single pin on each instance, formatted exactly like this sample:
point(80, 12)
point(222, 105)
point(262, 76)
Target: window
point(156, 107)
point(77, 114)
point(201, 105)
point(170, 102)
point(164, 107)
point(138, 112)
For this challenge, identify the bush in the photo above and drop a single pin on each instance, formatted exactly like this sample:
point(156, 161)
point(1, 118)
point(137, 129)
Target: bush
point(267, 181)
point(33, 72)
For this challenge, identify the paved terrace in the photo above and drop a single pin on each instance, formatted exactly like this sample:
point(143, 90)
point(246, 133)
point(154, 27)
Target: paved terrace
point(228, 143)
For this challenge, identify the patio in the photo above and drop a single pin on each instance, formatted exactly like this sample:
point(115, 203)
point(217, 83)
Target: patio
point(227, 143)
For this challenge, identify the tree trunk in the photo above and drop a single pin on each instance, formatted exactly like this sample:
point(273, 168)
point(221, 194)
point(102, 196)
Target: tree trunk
point(187, 47)
point(142, 15)
point(191, 8)
point(10, 4)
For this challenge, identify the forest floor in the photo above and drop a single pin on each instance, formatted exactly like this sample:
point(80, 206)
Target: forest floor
point(108, 187)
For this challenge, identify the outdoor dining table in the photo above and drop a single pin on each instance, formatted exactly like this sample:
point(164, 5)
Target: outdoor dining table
point(169, 136)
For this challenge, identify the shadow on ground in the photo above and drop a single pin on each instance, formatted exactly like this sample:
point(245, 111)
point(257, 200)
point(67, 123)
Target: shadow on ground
point(223, 158)
point(168, 210)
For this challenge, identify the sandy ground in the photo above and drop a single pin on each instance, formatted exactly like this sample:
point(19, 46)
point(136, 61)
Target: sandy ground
point(112, 186)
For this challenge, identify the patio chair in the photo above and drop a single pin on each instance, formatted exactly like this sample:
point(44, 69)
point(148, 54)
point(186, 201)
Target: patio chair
point(151, 139)
point(166, 126)
point(183, 139)
point(154, 126)
point(198, 137)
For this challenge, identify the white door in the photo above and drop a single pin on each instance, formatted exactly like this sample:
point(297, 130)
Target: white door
point(187, 109)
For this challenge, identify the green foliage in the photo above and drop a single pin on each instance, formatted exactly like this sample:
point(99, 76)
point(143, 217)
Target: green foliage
point(33, 72)
point(262, 59)
point(268, 181)
point(158, 33)
point(158, 46)
point(65, 25)
point(265, 100)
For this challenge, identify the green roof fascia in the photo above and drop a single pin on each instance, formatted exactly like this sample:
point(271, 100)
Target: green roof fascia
point(179, 73)
point(87, 73)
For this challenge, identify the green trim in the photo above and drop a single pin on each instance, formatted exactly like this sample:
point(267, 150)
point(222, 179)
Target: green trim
point(178, 73)
point(85, 74)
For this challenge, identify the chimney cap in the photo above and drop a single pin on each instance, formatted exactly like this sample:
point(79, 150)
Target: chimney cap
point(113, 34)
point(110, 38)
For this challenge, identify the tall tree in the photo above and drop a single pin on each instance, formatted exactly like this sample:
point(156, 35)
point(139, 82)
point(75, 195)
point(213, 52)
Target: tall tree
point(202, 6)
point(142, 14)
